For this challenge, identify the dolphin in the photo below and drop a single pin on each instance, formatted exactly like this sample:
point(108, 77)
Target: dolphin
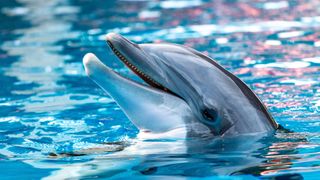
point(184, 91)
point(184, 94)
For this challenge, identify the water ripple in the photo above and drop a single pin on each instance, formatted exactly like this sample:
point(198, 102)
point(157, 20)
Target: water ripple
point(55, 122)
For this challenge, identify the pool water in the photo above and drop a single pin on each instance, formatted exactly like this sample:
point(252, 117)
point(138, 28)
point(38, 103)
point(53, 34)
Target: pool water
point(50, 110)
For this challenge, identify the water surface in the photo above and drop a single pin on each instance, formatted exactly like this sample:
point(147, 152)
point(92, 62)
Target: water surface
point(48, 106)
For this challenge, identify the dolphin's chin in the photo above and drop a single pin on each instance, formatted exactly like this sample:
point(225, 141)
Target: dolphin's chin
point(139, 72)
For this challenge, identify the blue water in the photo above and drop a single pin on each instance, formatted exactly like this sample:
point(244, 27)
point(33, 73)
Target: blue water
point(49, 109)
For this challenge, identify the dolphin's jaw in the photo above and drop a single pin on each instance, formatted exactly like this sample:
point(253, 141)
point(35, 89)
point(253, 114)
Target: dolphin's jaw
point(129, 94)
point(138, 71)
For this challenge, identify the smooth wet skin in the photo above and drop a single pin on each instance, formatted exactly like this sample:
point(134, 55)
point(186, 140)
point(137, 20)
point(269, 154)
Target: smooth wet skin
point(139, 101)
point(219, 103)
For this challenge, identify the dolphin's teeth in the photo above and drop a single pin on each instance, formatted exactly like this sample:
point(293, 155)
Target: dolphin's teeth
point(136, 70)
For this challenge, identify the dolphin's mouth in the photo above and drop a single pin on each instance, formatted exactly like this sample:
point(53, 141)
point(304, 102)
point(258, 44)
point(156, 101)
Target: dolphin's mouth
point(140, 72)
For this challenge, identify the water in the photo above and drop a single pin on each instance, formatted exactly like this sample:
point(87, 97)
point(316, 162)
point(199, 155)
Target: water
point(49, 108)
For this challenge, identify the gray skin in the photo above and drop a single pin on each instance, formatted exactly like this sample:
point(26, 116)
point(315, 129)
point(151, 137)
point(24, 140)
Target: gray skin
point(220, 103)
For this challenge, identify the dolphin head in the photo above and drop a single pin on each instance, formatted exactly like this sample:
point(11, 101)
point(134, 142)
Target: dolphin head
point(216, 100)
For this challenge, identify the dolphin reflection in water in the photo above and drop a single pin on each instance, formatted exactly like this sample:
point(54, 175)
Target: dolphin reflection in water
point(186, 96)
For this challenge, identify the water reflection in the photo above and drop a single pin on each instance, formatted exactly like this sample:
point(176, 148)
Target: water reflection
point(257, 155)
point(49, 106)
point(40, 61)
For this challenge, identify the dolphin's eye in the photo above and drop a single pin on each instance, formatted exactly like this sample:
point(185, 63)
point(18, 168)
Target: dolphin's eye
point(210, 114)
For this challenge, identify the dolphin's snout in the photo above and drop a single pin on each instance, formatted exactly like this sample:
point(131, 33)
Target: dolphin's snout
point(118, 41)
point(111, 36)
point(88, 62)
point(93, 66)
